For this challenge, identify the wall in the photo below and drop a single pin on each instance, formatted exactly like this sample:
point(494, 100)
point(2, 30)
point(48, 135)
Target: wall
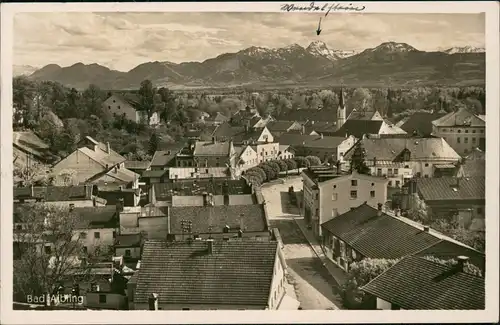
point(113, 300)
point(250, 158)
point(135, 252)
point(343, 147)
point(81, 164)
point(106, 240)
point(469, 137)
point(267, 151)
point(394, 179)
point(115, 105)
point(343, 202)
point(154, 227)
point(384, 305)
point(277, 289)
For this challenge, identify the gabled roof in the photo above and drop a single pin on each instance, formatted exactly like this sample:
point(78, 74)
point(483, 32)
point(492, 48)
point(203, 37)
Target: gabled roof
point(279, 126)
point(162, 158)
point(135, 164)
point(97, 217)
point(128, 98)
point(101, 155)
point(447, 250)
point(462, 117)
point(378, 235)
point(235, 273)
point(251, 217)
point(444, 188)
point(238, 134)
point(218, 117)
point(54, 193)
point(357, 128)
point(419, 284)
point(121, 175)
point(209, 148)
point(30, 142)
point(154, 173)
point(420, 148)
point(361, 115)
point(310, 141)
point(421, 122)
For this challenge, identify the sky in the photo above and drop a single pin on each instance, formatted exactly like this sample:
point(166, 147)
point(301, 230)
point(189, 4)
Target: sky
point(124, 40)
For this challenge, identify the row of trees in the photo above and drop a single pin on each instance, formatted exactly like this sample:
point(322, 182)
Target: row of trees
point(270, 170)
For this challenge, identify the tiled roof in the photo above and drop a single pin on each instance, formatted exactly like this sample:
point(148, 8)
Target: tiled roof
point(279, 126)
point(120, 174)
point(444, 188)
point(319, 126)
point(476, 153)
point(154, 173)
point(474, 168)
point(250, 217)
point(97, 217)
point(419, 284)
point(377, 236)
point(28, 141)
point(134, 164)
point(238, 134)
point(208, 148)
point(361, 115)
point(421, 122)
point(164, 157)
point(426, 149)
point(447, 250)
point(462, 117)
point(310, 141)
point(357, 128)
point(198, 172)
point(102, 157)
point(236, 273)
point(128, 240)
point(54, 193)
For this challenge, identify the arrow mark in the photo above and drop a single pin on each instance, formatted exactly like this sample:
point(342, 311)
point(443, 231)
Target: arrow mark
point(318, 31)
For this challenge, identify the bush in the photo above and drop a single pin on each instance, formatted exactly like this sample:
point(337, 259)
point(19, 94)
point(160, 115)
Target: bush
point(258, 171)
point(282, 164)
point(257, 178)
point(301, 162)
point(275, 166)
point(270, 173)
point(313, 160)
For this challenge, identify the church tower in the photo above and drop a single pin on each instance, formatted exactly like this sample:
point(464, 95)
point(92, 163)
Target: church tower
point(341, 111)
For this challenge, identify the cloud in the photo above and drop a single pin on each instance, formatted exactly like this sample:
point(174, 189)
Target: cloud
point(123, 40)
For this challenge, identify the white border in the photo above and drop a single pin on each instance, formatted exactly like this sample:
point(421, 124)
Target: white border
point(8, 316)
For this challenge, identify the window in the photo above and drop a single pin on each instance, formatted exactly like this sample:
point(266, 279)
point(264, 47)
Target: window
point(334, 197)
point(473, 140)
point(466, 131)
point(459, 131)
point(397, 183)
point(83, 235)
point(97, 235)
point(473, 131)
point(109, 107)
point(458, 140)
point(354, 182)
point(127, 253)
point(445, 130)
point(84, 250)
point(426, 165)
point(114, 234)
point(119, 107)
point(396, 171)
point(317, 196)
point(354, 195)
point(334, 186)
point(102, 299)
point(390, 183)
point(114, 101)
point(372, 193)
point(334, 213)
point(353, 254)
point(48, 249)
point(480, 210)
point(379, 171)
point(482, 131)
point(426, 176)
point(466, 140)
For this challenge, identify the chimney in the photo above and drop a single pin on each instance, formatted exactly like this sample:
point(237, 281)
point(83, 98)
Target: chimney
point(364, 136)
point(153, 301)
point(303, 129)
point(246, 128)
point(226, 199)
point(32, 190)
point(205, 196)
point(321, 135)
point(426, 228)
point(210, 243)
point(461, 262)
point(108, 148)
point(379, 209)
point(71, 206)
point(116, 170)
point(214, 140)
point(240, 233)
point(337, 164)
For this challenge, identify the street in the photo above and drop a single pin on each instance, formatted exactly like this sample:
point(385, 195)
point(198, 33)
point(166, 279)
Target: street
point(315, 288)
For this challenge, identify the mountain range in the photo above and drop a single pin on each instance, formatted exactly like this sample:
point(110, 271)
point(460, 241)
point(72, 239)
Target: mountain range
point(316, 64)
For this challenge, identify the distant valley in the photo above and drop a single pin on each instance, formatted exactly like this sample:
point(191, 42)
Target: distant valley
point(389, 63)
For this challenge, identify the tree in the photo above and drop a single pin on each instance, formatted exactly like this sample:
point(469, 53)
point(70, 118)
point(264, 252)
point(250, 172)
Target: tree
point(360, 99)
point(39, 270)
point(291, 164)
point(270, 173)
point(301, 162)
point(358, 160)
point(275, 166)
point(313, 160)
point(34, 174)
point(255, 177)
point(360, 273)
point(92, 98)
point(283, 165)
point(65, 177)
point(153, 144)
point(259, 171)
point(469, 268)
point(475, 239)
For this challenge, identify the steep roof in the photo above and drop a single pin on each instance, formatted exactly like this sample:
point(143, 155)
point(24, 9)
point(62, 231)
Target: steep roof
point(54, 193)
point(235, 273)
point(97, 217)
point(162, 158)
point(100, 154)
point(444, 188)
point(248, 218)
point(209, 148)
point(419, 284)
point(358, 128)
point(462, 117)
point(361, 115)
point(310, 141)
point(238, 134)
point(378, 236)
point(420, 148)
point(30, 142)
point(122, 175)
point(279, 126)
point(447, 250)
point(474, 168)
point(421, 122)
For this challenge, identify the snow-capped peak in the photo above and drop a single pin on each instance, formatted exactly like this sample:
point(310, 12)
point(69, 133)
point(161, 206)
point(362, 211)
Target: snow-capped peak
point(319, 48)
point(465, 49)
point(394, 47)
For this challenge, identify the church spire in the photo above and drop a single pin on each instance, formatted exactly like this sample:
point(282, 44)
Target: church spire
point(341, 97)
point(341, 111)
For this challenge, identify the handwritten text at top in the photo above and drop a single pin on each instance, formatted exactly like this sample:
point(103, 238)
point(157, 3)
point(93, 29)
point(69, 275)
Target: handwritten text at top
point(326, 8)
